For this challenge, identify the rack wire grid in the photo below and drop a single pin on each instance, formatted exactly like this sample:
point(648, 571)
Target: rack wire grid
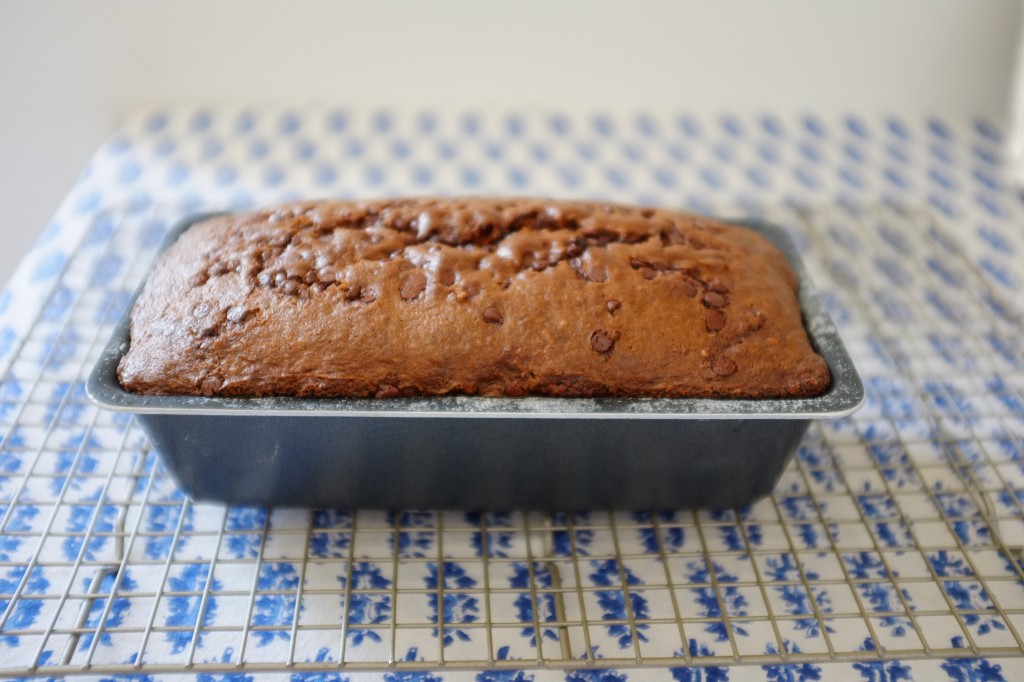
point(896, 533)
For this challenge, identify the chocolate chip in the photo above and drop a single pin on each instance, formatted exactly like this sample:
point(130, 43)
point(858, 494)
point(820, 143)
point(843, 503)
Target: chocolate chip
point(446, 276)
point(353, 292)
point(717, 286)
point(493, 315)
point(689, 287)
point(723, 366)
point(237, 314)
point(613, 306)
point(210, 385)
point(201, 310)
point(713, 299)
point(648, 272)
point(413, 284)
point(601, 341)
point(714, 320)
point(598, 273)
point(636, 263)
point(573, 250)
point(473, 289)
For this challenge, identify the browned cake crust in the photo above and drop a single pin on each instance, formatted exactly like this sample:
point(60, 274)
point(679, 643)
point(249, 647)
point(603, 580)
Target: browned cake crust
point(511, 297)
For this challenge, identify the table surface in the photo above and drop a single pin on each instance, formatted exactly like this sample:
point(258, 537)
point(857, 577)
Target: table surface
point(889, 550)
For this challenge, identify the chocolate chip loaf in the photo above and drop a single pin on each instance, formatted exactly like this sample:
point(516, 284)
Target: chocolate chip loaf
point(495, 297)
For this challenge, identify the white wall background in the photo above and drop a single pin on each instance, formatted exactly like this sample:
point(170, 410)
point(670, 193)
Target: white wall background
point(70, 70)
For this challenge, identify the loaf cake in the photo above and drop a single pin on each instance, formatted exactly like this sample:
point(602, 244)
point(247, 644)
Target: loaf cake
point(478, 296)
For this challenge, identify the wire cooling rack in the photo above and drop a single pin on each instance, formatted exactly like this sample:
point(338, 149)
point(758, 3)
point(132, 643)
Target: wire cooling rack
point(893, 534)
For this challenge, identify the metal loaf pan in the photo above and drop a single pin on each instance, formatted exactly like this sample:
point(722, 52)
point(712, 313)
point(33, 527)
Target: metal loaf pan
point(468, 452)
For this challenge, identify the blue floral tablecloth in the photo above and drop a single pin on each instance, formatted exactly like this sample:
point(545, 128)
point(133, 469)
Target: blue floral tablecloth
point(889, 551)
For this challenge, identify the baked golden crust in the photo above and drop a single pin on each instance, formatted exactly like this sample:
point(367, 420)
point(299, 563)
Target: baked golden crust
point(431, 296)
